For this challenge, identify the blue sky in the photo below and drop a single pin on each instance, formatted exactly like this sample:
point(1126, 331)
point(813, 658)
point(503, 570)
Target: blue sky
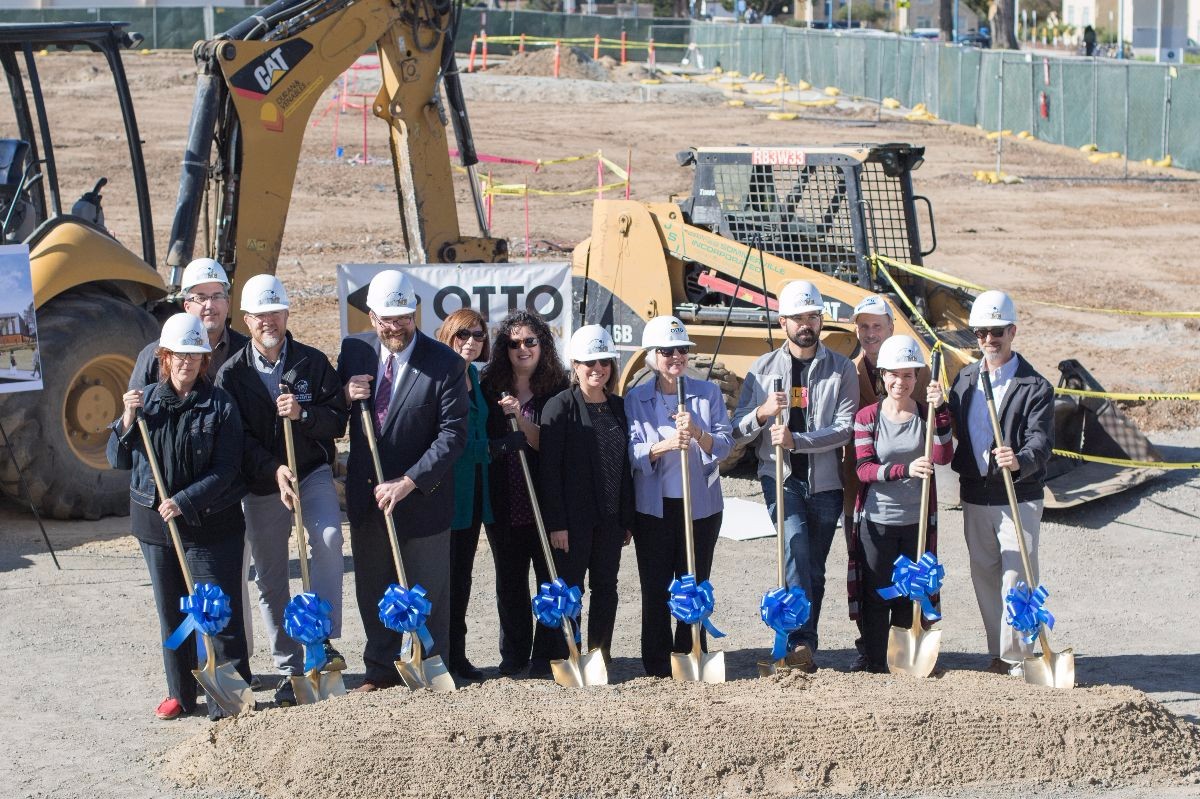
point(16, 290)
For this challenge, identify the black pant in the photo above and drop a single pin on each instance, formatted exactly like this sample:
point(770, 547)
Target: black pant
point(218, 562)
point(662, 557)
point(881, 545)
point(426, 563)
point(513, 550)
point(464, 543)
point(595, 553)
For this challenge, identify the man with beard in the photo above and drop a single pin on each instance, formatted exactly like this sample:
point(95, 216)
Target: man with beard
point(1025, 405)
point(414, 389)
point(820, 398)
point(205, 292)
point(273, 377)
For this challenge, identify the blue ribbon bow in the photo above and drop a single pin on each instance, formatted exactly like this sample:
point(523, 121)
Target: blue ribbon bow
point(917, 581)
point(784, 610)
point(307, 619)
point(692, 603)
point(555, 600)
point(1026, 612)
point(208, 611)
point(405, 610)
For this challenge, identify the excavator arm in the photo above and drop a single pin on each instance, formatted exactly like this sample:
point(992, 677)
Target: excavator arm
point(257, 86)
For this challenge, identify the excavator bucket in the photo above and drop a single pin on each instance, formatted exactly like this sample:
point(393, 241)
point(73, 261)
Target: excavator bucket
point(1093, 426)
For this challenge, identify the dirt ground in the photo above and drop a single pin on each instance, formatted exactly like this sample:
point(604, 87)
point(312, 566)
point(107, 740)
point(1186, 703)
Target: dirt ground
point(82, 650)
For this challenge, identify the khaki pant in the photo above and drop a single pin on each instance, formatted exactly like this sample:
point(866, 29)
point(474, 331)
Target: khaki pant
point(996, 568)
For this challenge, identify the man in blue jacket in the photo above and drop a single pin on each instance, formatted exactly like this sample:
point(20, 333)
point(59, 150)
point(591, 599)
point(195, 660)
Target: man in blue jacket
point(1025, 405)
point(413, 387)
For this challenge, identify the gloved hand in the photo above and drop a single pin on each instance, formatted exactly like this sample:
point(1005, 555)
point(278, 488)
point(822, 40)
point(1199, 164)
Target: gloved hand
point(509, 444)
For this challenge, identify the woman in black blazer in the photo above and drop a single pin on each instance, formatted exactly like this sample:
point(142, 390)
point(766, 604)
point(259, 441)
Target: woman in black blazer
point(586, 486)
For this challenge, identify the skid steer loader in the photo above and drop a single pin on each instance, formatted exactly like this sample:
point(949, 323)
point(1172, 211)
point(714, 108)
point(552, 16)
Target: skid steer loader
point(758, 217)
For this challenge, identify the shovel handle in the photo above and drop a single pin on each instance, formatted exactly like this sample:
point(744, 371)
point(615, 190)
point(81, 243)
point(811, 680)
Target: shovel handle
point(543, 537)
point(780, 544)
point(368, 425)
point(688, 535)
point(289, 442)
point(923, 521)
point(162, 496)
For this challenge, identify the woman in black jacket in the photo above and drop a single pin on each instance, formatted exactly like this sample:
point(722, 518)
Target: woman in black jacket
point(525, 366)
point(586, 485)
point(196, 434)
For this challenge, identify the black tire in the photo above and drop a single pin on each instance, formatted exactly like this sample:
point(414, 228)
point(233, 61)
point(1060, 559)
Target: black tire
point(729, 383)
point(88, 343)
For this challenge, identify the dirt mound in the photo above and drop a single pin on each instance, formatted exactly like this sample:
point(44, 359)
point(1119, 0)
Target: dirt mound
point(573, 63)
point(771, 737)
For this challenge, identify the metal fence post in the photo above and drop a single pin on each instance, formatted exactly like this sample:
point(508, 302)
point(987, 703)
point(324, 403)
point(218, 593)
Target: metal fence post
point(1125, 176)
point(1166, 132)
point(154, 27)
point(1000, 118)
point(1095, 95)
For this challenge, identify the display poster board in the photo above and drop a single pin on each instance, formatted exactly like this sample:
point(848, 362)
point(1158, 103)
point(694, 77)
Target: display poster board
point(20, 359)
point(494, 290)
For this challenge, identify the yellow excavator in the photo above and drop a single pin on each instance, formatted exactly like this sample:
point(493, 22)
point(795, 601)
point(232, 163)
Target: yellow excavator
point(758, 217)
point(257, 85)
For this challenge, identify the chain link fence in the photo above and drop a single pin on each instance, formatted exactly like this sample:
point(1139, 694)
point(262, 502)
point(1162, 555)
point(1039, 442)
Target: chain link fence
point(1139, 109)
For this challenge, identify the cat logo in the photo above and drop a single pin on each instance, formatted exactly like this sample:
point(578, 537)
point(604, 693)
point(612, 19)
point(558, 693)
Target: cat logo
point(259, 77)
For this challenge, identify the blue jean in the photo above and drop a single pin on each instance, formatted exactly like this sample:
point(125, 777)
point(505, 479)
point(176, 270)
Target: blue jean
point(809, 522)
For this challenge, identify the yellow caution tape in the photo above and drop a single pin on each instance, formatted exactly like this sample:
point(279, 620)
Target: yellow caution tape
point(1079, 456)
point(1125, 396)
point(522, 189)
point(951, 280)
point(535, 41)
point(916, 314)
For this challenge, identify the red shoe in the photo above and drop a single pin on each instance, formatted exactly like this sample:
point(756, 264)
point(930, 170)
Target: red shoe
point(169, 709)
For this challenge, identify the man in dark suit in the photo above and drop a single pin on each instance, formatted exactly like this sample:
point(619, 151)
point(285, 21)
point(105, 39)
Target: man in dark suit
point(414, 388)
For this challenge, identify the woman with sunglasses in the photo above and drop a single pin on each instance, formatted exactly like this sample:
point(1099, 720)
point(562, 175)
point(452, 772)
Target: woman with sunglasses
point(196, 434)
point(521, 376)
point(585, 483)
point(657, 433)
point(465, 332)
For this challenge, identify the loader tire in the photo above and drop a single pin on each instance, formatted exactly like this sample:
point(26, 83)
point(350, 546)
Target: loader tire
point(88, 343)
point(729, 383)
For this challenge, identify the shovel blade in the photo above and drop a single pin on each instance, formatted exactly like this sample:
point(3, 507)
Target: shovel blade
point(431, 673)
point(589, 669)
point(226, 687)
point(1052, 669)
point(766, 668)
point(913, 653)
point(705, 667)
point(306, 690)
point(314, 686)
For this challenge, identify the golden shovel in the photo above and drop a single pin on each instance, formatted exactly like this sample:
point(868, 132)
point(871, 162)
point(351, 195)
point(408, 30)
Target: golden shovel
point(1052, 669)
point(697, 665)
point(914, 650)
point(578, 669)
point(221, 682)
point(416, 671)
point(315, 684)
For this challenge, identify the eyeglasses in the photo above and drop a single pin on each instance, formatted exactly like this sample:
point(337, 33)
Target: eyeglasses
point(982, 333)
point(464, 334)
point(595, 363)
point(187, 356)
point(200, 299)
point(528, 343)
point(401, 320)
point(667, 352)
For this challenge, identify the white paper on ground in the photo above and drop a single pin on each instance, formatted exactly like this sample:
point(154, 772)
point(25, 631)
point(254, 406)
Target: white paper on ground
point(744, 520)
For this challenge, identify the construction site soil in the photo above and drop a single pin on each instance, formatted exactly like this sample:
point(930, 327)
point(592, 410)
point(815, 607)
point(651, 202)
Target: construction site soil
point(76, 712)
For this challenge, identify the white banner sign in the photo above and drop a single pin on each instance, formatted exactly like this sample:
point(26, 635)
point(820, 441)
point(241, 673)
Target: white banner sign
point(495, 290)
point(20, 358)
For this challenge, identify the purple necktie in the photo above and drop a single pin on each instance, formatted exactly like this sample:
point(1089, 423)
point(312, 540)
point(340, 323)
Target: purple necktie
point(383, 393)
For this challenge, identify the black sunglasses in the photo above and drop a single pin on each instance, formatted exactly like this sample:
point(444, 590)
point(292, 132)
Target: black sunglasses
point(595, 363)
point(667, 352)
point(995, 332)
point(529, 343)
point(464, 334)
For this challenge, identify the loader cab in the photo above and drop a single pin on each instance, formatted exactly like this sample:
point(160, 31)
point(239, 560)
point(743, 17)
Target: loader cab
point(32, 201)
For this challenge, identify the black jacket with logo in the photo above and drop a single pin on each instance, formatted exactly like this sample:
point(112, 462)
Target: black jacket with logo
point(308, 374)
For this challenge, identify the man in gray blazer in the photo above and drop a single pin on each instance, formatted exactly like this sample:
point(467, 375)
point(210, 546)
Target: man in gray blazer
point(414, 388)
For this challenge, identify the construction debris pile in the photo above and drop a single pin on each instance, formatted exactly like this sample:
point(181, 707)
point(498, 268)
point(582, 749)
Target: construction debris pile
point(574, 62)
point(773, 737)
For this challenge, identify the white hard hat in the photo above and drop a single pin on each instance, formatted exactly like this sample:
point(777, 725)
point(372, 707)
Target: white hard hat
point(391, 294)
point(900, 352)
point(203, 270)
point(591, 343)
point(183, 332)
point(875, 305)
point(263, 294)
point(993, 309)
point(799, 297)
point(665, 331)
